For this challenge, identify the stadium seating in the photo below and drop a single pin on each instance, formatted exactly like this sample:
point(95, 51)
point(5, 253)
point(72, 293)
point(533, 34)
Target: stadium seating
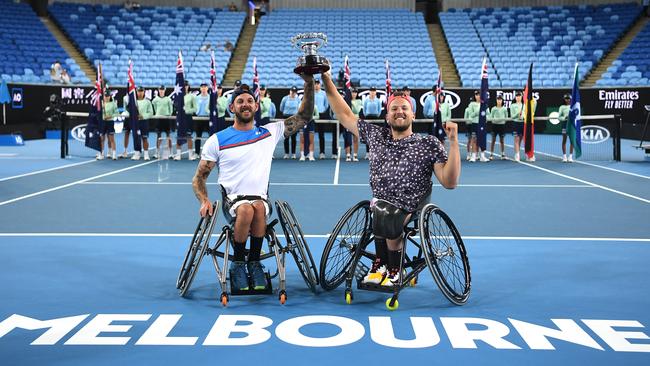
point(633, 66)
point(151, 37)
point(367, 36)
point(553, 37)
point(28, 48)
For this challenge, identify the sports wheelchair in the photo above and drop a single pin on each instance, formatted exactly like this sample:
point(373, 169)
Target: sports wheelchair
point(295, 244)
point(439, 247)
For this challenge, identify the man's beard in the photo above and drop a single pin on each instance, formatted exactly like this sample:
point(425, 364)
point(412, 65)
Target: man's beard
point(242, 119)
point(399, 128)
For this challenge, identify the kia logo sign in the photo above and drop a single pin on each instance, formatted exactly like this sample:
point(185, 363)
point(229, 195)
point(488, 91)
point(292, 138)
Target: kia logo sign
point(594, 134)
point(450, 97)
point(79, 132)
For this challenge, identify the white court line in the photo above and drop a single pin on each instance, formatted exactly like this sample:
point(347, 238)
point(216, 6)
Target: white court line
point(362, 184)
point(468, 237)
point(7, 155)
point(586, 182)
point(74, 183)
point(47, 170)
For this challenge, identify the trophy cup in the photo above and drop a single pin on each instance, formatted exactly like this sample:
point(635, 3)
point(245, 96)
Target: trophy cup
point(311, 63)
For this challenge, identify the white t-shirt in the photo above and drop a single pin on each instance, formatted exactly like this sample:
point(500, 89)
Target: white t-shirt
point(244, 157)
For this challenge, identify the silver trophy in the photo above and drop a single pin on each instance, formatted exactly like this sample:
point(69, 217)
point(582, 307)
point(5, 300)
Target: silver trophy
point(311, 63)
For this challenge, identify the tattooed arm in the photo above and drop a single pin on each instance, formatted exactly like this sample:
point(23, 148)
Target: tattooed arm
point(294, 123)
point(200, 188)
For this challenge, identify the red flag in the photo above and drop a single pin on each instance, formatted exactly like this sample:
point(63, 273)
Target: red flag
point(389, 90)
point(213, 73)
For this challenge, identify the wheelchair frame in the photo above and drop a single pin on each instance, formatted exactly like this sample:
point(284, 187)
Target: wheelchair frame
point(296, 245)
point(350, 247)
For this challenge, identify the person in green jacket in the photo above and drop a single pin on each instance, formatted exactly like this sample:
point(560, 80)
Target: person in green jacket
point(164, 108)
point(474, 111)
point(564, 119)
point(265, 106)
point(189, 107)
point(107, 132)
point(222, 107)
point(498, 116)
point(516, 114)
point(468, 131)
point(145, 112)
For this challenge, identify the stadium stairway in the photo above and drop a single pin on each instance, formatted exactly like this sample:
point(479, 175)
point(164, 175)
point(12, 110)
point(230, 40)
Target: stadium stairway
point(69, 47)
point(450, 76)
point(619, 47)
point(240, 54)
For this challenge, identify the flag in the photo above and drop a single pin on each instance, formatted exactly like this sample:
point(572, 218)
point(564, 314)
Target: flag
point(437, 128)
point(179, 100)
point(389, 90)
point(251, 11)
point(133, 111)
point(529, 120)
point(95, 117)
point(256, 90)
point(213, 96)
point(575, 117)
point(347, 85)
point(5, 98)
point(482, 117)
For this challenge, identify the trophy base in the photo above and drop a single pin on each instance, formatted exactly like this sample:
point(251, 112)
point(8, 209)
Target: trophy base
point(311, 64)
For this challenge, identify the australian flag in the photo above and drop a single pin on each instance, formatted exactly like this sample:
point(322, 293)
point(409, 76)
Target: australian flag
point(437, 128)
point(133, 111)
point(179, 100)
point(482, 117)
point(575, 116)
point(95, 117)
point(213, 96)
point(389, 89)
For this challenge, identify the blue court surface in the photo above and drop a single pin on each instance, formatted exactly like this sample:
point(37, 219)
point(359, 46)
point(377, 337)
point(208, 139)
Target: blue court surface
point(90, 253)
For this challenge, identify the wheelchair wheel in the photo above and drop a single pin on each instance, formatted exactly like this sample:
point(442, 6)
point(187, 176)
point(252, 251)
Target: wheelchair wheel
point(351, 230)
point(445, 254)
point(196, 251)
point(297, 244)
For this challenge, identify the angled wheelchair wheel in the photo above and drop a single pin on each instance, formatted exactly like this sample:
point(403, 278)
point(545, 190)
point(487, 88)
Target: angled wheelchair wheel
point(196, 251)
point(351, 231)
point(445, 254)
point(297, 245)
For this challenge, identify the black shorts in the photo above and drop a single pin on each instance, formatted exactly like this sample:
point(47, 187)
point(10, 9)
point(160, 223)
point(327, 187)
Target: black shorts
point(564, 126)
point(310, 126)
point(201, 126)
point(144, 128)
point(499, 130)
point(518, 129)
point(163, 125)
point(471, 130)
point(107, 128)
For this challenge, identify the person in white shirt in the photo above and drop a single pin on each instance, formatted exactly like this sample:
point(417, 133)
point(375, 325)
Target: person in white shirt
point(244, 153)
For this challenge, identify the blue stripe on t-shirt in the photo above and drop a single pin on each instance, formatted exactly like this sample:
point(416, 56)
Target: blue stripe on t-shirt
point(231, 137)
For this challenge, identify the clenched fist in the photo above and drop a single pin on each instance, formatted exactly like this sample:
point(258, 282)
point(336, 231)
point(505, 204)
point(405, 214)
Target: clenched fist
point(451, 129)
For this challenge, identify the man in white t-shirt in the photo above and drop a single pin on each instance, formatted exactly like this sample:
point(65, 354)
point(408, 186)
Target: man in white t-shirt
point(244, 153)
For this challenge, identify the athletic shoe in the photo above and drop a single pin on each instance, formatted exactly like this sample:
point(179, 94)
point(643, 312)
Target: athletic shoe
point(193, 156)
point(392, 278)
point(286, 156)
point(532, 160)
point(99, 157)
point(491, 156)
point(146, 155)
point(334, 156)
point(472, 159)
point(483, 159)
point(570, 159)
point(136, 156)
point(347, 157)
point(238, 276)
point(355, 158)
point(114, 155)
point(376, 273)
point(503, 156)
point(124, 155)
point(564, 158)
point(177, 156)
point(256, 271)
point(311, 157)
point(293, 156)
point(517, 157)
point(468, 156)
point(302, 157)
point(155, 155)
point(321, 156)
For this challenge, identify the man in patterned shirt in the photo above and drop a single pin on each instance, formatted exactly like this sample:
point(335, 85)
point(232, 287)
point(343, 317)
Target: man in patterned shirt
point(400, 173)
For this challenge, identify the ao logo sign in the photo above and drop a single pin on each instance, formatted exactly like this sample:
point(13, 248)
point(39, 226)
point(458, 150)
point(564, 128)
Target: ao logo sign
point(79, 132)
point(594, 134)
point(450, 97)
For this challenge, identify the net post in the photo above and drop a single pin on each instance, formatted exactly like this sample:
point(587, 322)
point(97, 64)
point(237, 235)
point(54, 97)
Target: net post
point(64, 135)
point(618, 119)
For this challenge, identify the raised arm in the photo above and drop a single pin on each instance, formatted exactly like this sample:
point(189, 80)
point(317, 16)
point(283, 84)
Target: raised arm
point(339, 106)
point(200, 188)
point(448, 173)
point(294, 123)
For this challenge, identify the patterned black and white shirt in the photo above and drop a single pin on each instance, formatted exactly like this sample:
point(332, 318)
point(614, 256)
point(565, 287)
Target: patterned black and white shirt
point(400, 170)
